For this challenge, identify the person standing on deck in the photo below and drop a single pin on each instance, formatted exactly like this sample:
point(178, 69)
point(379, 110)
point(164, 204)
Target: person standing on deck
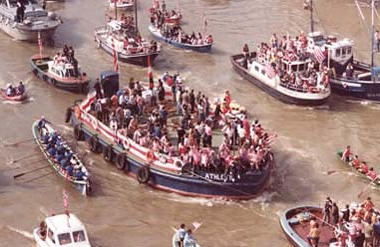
point(346, 154)
point(335, 214)
point(327, 211)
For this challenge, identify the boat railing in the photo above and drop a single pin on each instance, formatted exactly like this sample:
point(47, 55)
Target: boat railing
point(310, 89)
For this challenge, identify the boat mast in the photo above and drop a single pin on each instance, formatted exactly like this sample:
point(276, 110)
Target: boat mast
point(136, 20)
point(115, 6)
point(372, 32)
point(311, 17)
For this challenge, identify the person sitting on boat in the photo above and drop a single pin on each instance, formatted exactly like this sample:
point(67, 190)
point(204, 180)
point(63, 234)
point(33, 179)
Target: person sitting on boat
point(371, 173)
point(20, 89)
point(356, 162)
point(363, 168)
point(80, 172)
point(189, 240)
point(346, 154)
point(10, 91)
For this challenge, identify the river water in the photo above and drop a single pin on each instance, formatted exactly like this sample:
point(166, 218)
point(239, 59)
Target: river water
point(124, 213)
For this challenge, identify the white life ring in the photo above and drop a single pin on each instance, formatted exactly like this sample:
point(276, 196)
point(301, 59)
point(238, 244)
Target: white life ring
point(95, 124)
point(126, 144)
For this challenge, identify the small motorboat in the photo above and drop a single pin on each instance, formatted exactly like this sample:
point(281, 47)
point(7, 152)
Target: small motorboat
point(15, 98)
point(61, 230)
point(62, 75)
point(122, 4)
point(204, 46)
point(82, 184)
point(175, 242)
point(295, 223)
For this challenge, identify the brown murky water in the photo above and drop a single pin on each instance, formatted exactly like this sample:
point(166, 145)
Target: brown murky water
point(124, 213)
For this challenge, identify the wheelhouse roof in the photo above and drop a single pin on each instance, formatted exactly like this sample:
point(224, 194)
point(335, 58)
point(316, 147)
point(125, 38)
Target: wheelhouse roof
point(62, 223)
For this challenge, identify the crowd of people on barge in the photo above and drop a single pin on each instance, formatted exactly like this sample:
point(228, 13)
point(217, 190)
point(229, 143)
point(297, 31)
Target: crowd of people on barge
point(61, 153)
point(360, 166)
point(288, 50)
point(160, 14)
point(356, 225)
point(142, 115)
point(12, 90)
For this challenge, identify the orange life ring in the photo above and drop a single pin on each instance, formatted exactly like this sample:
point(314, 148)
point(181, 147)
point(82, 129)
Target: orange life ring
point(150, 156)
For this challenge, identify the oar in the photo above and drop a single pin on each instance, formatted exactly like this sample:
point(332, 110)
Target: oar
point(16, 143)
point(25, 157)
point(24, 173)
point(44, 175)
point(365, 188)
point(31, 163)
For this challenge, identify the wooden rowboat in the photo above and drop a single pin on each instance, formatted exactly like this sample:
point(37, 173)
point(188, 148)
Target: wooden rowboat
point(84, 186)
point(353, 169)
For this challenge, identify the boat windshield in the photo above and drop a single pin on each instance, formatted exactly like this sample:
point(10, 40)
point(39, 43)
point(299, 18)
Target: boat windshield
point(36, 13)
point(69, 73)
point(79, 236)
point(13, 3)
point(64, 238)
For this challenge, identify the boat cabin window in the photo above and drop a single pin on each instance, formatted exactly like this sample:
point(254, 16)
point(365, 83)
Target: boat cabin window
point(294, 68)
point(348, 50)
point(337, 52)
point(64, 238)
point(301, 67)
point(263, 72)
point(69, 73)
point(79, 236)
point(344, 51)
point(256, 68)
point(51, 236)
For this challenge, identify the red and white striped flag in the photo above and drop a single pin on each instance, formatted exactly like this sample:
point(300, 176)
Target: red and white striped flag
point(115, 60)
point(318, 54)
point(40, 44)
point(65, 197)
point(270, 71)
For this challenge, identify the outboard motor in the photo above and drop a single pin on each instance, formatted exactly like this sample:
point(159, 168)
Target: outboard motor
point(110, 82)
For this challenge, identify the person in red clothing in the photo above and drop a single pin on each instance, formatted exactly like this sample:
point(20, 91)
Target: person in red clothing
point(368, 204)
point(356, 162)
point(371, 174)
point(363, 168)
point(346, 154)
point(227, 98)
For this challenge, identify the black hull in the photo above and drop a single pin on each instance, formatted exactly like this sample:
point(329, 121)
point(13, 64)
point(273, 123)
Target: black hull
point(274, 93)
point(366, 91)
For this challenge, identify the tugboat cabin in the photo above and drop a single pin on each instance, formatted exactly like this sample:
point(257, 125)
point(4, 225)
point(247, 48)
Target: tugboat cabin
point(63, 230)
point(297, 67)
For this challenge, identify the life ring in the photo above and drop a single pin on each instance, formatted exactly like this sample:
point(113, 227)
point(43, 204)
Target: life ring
point(150, 156)
point(68, 115)
point(108, 153)
point(143, 174)
point(126, 145)
point(122, 162)
point(94, 144)
point(97, 41)
point(78, 133)
point(54, 82)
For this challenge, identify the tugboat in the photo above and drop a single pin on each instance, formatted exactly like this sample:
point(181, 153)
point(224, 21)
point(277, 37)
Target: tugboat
point(121, 39)
point(161, 169)
point(35, 20)
point(122, 4)
point(349, 77)
point(292, 80)
point(61, 230)
point(61, 74)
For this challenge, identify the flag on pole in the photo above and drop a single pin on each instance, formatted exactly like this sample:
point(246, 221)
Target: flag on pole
point(318, 54)
point(115, 60)
point(40, 44)
point(66, 202)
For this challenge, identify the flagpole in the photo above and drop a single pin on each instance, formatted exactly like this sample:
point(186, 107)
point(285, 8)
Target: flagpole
point(136, 21)
point(115, 3)
point(311, 17)
point(372, 36)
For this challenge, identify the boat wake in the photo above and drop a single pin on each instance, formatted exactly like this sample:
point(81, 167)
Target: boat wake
point(21, 232)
